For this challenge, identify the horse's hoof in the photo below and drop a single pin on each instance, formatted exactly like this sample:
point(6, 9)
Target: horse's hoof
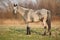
point(28, 34)
point(44, 34)
point(50, 33)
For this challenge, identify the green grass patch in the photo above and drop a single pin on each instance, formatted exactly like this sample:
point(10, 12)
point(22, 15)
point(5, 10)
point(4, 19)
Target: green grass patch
point(14, 33)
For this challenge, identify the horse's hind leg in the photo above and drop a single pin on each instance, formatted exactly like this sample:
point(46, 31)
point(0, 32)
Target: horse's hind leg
point(49, 23)
point(49, 26)
point(45, 26)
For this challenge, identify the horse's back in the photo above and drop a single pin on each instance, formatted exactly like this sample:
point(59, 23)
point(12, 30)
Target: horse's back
point(33, 15)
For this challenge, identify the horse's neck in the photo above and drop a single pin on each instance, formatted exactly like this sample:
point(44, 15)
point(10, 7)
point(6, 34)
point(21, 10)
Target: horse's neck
point(21, 11)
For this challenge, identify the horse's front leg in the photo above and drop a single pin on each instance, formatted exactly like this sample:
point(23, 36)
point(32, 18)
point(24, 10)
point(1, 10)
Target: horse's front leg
point(28, 29)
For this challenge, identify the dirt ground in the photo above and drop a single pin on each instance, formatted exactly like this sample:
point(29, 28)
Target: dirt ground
point(55, 23)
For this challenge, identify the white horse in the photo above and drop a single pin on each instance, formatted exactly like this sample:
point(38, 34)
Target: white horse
point(30, 15)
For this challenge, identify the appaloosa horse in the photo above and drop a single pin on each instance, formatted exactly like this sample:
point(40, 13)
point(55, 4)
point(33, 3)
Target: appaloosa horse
point(30, 15)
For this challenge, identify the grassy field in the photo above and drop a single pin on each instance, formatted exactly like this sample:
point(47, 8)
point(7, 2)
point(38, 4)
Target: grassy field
point(13, 33)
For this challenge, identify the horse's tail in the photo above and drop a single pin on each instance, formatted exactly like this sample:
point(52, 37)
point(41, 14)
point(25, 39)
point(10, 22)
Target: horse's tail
point(49, 20)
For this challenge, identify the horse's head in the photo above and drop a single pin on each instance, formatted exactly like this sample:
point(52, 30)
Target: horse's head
point(15, 8)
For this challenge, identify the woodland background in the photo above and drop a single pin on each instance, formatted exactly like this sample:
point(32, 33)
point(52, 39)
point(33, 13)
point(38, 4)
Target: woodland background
point(6, 9)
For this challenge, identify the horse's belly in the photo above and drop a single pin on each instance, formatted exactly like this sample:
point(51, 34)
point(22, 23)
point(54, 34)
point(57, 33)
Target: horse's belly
point(33, 17)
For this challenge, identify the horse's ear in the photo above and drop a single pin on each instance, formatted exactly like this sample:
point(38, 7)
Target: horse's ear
point(15, 5)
